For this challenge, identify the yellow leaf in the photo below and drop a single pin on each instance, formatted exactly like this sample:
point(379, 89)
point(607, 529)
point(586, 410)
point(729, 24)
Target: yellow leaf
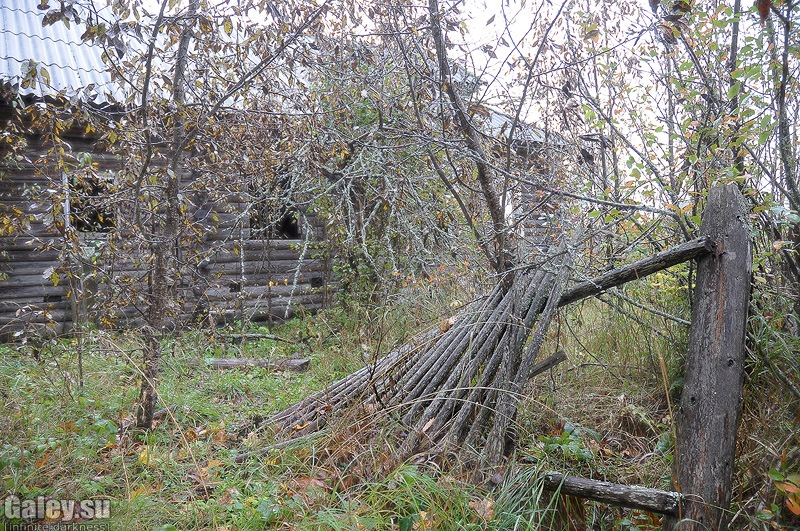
point(140, 490)
point(190, 434)
point(144, 456)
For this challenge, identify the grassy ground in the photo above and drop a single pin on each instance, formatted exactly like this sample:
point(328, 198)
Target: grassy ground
point(602, 414)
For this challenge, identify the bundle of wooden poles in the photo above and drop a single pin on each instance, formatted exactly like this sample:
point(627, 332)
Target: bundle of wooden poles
point(460, 385)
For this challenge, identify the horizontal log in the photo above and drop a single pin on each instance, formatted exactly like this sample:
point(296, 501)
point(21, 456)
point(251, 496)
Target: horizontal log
point(11, 305)
point(260, 266)
point(25, 205)
point(263, 314)
point(653, 500)
point(32, 275)
point(232, 231)
point(255, 255)
point(295, 365)
point(273, 244)
point(36, 230)
point(42, 293)
point(262, 293)
point(38, 316)
point(36, 280)
point(262, 280)
point(241, 338)
point(549, 363)
point(30, 254)
point(298, 297)
point(35, 293)
point(639, 269)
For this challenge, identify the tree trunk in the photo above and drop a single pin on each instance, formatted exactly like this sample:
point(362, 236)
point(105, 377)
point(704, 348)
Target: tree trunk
point(485, 173)
point(163, 238)
point(710, 406)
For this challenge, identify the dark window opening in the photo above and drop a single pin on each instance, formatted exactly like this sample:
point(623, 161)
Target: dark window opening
point(89, 203)
point(274, 214)
point(288, 225)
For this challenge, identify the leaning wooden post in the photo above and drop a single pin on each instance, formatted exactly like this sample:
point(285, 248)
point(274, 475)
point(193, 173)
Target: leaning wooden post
point(710, 406)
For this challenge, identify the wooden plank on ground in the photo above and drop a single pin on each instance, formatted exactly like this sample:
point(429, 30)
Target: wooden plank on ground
point(283, 364)
point(653, 500)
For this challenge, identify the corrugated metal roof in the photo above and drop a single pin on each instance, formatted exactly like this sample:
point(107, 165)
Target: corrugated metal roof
point(71, 65)
point(499, 125)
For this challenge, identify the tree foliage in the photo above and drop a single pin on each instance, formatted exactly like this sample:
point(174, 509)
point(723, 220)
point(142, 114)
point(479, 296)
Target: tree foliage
point(422, 143)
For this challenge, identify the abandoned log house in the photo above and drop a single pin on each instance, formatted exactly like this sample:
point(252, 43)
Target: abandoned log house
point(251, 260)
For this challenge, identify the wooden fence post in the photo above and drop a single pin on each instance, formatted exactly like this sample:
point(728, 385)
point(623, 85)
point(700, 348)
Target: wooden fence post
point(710, 405)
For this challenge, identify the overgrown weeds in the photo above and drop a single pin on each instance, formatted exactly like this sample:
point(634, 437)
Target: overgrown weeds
point(602, 414)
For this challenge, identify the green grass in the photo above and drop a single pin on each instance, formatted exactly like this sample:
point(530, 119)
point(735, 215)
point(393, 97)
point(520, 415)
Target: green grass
point(602, 414)
point(61, 440)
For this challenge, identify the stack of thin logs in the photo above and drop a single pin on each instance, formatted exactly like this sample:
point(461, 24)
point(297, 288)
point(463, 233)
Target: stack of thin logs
point(456, 387)
point(462, 386)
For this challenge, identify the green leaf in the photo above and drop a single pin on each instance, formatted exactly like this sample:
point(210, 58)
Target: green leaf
point(774, 475)
point(406, 523)
point(268, 510)
point(734, 90)
point(754, 70)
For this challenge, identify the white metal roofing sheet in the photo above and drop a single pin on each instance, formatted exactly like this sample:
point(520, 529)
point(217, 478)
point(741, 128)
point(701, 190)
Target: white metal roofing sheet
point(71, 65)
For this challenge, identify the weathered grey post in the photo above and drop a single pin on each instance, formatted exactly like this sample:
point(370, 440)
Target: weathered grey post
point(710, 406)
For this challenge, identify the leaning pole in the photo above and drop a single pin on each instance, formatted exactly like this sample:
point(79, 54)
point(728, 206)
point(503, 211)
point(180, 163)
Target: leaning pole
point(710, 407)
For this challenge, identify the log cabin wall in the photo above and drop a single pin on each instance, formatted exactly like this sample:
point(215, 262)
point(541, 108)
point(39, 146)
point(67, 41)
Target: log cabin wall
point(538, 158)
point(228, 272)
point(225, 273)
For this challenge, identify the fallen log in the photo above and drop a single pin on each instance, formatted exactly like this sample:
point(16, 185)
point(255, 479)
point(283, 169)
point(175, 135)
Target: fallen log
point(283, 364)
point(241, 338)
point(444, 385)
point(653, 500)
